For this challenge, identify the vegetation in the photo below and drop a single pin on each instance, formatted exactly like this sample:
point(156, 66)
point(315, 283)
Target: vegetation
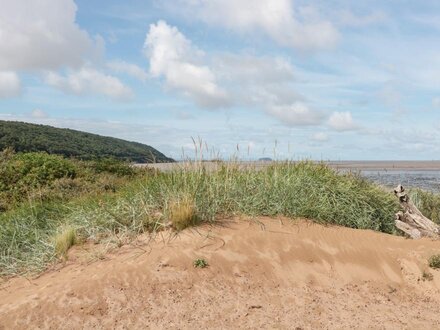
point(25, 137)
point(427, 276)
point(119, 204)
point(428, 203)
point(38, 177)
point(434, 261)
point(200, 263)
point(64, 241)
point(182, 212)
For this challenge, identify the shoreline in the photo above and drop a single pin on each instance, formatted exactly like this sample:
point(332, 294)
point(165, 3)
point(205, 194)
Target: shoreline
point(379, 166)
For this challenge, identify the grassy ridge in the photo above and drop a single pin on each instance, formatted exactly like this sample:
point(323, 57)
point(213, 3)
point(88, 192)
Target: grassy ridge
point(149, 201)
point(25, 137)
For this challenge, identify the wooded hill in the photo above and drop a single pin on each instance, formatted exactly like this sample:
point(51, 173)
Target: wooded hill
point(26, 137)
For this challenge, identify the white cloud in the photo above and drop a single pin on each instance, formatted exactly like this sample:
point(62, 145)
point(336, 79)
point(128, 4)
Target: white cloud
point(262, 82)
point(39, 114)
point(256, 81)
point(348, 18)
point(297, 114)
point(248, 68)
point(276, 18)
point(87, 81)
point(436, 102)
point(173, 57)
point(133, 70)
point(42, 35)
point(320, 137)
point(342, 121)
point(9, 84)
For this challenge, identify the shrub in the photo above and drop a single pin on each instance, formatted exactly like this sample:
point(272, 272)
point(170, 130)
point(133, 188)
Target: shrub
point(112, 166)
point(434, 261)
point(32, 170)
point(36, 169)
point(200, 263)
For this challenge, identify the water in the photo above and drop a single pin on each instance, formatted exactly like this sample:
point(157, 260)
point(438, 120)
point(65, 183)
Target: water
point(427, 180)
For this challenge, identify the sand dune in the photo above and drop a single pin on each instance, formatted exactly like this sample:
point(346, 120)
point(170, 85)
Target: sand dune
point(270, 273)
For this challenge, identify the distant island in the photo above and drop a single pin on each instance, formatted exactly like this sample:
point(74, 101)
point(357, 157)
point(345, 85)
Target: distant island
point(26, 137)
point(265, 159)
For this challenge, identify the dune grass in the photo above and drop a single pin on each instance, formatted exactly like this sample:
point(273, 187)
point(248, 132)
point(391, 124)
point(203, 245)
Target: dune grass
point(187, 196)
point(427, 202)
point(182, 212)
point(64, 240)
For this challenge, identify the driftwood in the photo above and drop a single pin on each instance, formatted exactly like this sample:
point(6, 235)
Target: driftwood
point(411, 221)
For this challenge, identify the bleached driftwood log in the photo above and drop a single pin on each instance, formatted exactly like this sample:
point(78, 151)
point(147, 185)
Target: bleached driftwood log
point(411, 220)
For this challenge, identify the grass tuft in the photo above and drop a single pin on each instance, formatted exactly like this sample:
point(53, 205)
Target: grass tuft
point(64, 241)
point(200, 263)
point(427, 276)
point(427, 202)
point(182, 213)
point(434, 261)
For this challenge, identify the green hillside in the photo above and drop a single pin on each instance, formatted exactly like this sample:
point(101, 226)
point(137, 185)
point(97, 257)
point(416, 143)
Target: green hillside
point(25, 137)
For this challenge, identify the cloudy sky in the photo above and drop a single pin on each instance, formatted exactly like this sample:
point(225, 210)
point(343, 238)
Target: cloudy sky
point(317, 79)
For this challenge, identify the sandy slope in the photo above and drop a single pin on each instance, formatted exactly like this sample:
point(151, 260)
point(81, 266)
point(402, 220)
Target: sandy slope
point(268, 275)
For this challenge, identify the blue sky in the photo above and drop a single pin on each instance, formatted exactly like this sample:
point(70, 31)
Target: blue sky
point(296, 79)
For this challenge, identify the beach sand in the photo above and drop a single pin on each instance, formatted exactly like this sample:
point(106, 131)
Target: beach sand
point(265, 273)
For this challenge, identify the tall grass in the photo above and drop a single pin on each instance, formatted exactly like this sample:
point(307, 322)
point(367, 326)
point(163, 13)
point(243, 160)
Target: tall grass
point(195, 193)
point(427, 202)
point(64, 240)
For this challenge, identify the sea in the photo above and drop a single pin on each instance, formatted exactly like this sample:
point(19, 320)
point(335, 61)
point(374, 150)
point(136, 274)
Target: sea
point(427, 180)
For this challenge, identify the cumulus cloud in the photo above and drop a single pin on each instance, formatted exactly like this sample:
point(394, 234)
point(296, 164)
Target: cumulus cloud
point(9, 84)
point(278, 19)
point(130, 69)
point(257, 81)
point(42, 35)
point(88, 81)
point(265, 83)
point(173, 57)
point(297, 114)
point(342, 121)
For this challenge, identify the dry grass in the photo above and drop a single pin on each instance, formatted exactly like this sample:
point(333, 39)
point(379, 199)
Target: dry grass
point(64, 241)
point(182, 212)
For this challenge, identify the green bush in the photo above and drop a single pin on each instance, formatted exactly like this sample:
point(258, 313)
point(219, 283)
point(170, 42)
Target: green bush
point(38, 176)
point(34, 169)
point(434, 261)
point(112, 166)
point(22, 173)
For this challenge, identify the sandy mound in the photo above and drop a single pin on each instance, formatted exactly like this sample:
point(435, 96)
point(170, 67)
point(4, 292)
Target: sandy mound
point(260, 275)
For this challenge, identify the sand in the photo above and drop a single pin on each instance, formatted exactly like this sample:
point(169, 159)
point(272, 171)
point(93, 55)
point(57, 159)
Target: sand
point(270, 274)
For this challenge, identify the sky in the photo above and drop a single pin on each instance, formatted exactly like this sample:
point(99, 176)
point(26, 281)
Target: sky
point(286, 79)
